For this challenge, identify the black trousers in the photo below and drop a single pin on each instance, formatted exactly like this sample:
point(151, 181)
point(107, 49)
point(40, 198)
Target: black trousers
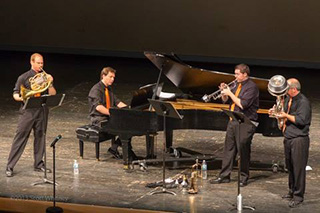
point(231, 149)
point(29, 119)
point(296, 152)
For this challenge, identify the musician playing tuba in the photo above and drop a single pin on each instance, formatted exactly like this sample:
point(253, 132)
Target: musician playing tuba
point(297, 112)
point(35, 82)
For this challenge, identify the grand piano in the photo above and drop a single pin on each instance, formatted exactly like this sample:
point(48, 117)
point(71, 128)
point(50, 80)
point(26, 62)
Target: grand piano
point(193, 83)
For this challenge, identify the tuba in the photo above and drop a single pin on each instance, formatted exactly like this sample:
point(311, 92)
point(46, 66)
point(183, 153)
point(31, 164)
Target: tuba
point(38, 84)
point(278, 87)
point(217, 94)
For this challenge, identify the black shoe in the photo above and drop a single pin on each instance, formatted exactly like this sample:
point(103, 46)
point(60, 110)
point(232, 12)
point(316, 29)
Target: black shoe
point(115, 153)
point(288, 196)
point(220, 180)
point(243, 184)
point(42, 169)
point(295, 204)
point(9, 172)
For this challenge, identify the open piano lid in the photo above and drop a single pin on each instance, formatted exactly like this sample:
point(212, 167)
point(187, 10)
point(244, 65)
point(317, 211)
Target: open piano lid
point(196, 81)
point(140, 97)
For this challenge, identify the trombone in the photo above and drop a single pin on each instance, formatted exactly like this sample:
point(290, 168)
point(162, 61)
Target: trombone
point(217, 94)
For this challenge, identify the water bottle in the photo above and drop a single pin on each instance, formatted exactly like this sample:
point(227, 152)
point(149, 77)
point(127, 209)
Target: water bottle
point(75, 167)
point(204, 169)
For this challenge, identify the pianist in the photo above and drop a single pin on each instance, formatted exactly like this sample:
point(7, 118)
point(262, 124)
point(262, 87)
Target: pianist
point(101, 98)
point(242, 98)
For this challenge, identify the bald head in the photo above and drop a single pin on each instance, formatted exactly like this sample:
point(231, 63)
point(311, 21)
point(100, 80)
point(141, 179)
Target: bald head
point(294, 83)
point(36, 61)
point(34, 56)
point(294, 87)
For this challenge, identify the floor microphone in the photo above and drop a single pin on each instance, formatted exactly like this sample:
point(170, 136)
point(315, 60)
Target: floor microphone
point(55, 140)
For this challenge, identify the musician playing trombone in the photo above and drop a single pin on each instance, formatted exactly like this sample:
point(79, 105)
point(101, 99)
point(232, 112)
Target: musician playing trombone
point(244, 97)
point(30, 118)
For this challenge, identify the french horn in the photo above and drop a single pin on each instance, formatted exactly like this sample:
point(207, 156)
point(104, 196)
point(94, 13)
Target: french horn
point(38, 84)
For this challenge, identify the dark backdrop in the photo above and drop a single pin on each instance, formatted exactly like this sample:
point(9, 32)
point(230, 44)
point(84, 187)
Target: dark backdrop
point(264, 32)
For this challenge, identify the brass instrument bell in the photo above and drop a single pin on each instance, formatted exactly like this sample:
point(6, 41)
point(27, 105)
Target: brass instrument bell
point(278, 87)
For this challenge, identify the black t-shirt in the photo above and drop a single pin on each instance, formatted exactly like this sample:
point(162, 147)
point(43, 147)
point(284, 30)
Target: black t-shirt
point(24, 80)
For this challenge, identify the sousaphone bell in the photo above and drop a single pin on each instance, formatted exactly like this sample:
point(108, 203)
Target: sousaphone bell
point(278, 87)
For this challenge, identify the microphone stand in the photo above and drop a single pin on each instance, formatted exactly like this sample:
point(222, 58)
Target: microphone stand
point(54, 208)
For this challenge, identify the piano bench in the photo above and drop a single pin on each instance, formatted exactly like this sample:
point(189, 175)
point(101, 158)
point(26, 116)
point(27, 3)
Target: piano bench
point(90, 133)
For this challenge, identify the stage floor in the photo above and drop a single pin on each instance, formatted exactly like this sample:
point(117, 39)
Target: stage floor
point(106, 183)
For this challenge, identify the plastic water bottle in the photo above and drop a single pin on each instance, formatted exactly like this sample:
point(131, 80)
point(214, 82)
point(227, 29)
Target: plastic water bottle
point(75, 167)
point(204, 170)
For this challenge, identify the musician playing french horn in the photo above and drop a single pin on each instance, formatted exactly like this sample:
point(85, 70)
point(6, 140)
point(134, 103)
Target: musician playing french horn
point(244, 97)
point(32, 118)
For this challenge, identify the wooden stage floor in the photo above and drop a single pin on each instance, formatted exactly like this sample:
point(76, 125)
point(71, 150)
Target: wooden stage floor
point(105, 183)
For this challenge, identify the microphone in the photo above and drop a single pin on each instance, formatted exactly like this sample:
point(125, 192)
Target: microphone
point(55, 140)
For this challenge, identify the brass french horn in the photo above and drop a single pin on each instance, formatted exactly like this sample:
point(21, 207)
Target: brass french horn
point(38, 84)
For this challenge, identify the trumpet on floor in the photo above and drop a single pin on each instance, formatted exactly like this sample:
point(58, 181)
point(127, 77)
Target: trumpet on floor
point(217, 94)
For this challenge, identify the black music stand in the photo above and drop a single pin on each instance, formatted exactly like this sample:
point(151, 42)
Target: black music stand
point(44, 102)
point(241, 119)
point(165, 110)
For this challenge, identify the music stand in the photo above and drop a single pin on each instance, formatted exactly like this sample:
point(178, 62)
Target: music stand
point(165, 110)
point(241, 119)
point(44, 102)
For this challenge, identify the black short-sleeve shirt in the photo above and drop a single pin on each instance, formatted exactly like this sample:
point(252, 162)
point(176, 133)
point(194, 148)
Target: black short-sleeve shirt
point(24, 80)
point(249, 98)
point(97, 97)
point(301, 109)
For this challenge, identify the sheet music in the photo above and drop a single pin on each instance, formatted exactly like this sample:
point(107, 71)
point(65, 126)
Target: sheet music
point(166, 95)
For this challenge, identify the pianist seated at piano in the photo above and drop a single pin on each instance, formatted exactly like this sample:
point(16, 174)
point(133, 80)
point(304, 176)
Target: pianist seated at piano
point(243, 97)
point(101, 98)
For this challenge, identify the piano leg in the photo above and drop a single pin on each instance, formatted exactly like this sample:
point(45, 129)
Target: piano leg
point(125, 140)
point(150, 146)
point(169, 138)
